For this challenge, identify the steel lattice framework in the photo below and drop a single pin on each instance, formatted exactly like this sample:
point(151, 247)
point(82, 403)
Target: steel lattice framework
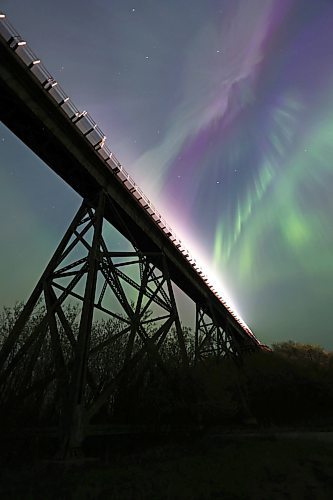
point(54, 364)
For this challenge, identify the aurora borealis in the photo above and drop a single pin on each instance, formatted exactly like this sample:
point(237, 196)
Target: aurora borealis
point(222, 111)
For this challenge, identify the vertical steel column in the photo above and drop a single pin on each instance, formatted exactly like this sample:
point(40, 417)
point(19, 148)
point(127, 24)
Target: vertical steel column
point(220, 337)
point(76, 410)
point(216, 337)
point(196, 333)
point(179, 331)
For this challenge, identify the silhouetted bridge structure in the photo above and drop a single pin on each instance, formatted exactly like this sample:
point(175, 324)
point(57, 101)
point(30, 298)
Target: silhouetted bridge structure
point(51, 360)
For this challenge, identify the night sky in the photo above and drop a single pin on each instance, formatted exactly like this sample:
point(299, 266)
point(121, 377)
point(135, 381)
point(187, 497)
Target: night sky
point(222, 111)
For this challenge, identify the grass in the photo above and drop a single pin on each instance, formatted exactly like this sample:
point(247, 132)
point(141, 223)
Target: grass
point(204, 468)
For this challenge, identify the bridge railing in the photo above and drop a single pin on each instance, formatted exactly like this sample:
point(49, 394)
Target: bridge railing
point(94, 135)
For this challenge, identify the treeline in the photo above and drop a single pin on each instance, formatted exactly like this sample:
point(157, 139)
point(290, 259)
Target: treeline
point(290, 386)
point(293, 385)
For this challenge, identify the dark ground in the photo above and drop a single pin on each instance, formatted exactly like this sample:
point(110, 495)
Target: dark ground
point(225, 466)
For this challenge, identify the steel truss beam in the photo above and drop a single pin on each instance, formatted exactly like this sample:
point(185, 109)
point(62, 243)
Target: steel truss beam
point(213, 339)
point(97, 318)
point(54, 360)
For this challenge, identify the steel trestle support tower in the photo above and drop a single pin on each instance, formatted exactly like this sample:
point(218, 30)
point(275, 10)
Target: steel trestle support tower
point(131, 289)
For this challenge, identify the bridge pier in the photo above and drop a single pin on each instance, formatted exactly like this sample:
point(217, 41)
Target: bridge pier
point(90, 303)
point(213, 339)
point(96, 319)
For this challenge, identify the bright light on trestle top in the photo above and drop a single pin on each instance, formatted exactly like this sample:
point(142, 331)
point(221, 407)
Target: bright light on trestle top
point(94, 135)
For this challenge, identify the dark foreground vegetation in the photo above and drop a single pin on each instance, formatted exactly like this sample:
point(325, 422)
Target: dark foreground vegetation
point(290, 386)
point(213, 430)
